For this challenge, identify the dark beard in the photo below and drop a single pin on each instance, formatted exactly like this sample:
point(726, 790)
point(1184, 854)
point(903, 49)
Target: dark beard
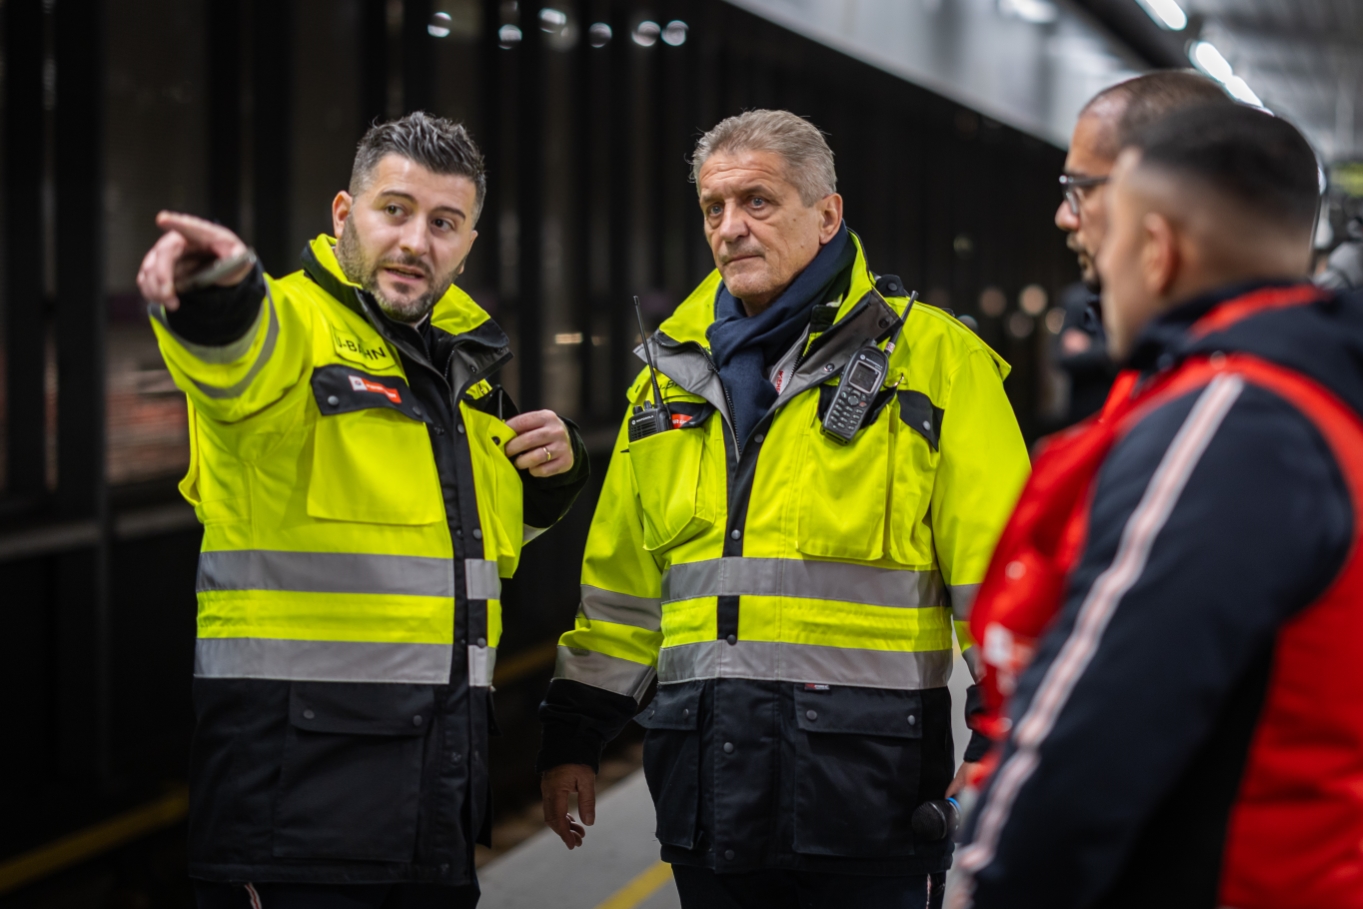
point(356, 269)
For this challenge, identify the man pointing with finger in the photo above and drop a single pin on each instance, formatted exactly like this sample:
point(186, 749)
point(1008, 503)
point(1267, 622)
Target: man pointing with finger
point(363, 488)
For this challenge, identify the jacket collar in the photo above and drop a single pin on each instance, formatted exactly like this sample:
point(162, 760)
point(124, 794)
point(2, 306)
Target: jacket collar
point(464, 337)
point(1170, 336)
point(682, 351)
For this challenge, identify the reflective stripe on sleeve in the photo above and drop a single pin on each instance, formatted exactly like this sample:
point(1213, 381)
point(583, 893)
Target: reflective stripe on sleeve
point(842, 581)
point(321, 661)
point(325, 572)
point(962, 599)
point(601, 671)
point(773, 661)
point(266, 351)
point(601, 605)
point(481, 581)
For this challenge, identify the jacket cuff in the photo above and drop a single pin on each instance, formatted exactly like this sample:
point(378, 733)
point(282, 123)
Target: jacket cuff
point(218, 316)
point(563, 744)
point(979, 746)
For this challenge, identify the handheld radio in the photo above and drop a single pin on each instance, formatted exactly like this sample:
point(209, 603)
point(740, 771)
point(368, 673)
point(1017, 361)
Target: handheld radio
point(648, 418)
point(861, 379)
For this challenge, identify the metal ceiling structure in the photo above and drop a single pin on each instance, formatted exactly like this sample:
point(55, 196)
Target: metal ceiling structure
point(1032, 63)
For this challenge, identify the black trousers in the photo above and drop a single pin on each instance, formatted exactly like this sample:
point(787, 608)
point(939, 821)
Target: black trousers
point(213, 895)
point(701, 888)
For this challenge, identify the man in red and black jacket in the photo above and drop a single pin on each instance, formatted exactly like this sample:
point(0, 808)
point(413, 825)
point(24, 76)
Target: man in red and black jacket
point(1188, 730)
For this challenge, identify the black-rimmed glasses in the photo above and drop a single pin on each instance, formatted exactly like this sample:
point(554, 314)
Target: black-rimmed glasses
point(1071, 187)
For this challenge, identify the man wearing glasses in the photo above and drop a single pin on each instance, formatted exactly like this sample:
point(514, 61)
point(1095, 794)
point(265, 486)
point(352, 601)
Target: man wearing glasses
point(1105, 124)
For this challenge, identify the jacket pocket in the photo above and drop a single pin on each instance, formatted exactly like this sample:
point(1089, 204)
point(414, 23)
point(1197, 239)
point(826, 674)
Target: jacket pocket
point(673, 472)
point(915, 428)
point(844, 491)
point(371, 460)
point(350, 781)
point(857, 761)
point(672, 760)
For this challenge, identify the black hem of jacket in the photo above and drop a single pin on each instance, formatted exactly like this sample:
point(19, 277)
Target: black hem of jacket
point(218, 316)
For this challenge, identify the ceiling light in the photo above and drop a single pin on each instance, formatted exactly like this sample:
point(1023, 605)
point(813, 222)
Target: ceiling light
point(1240, 91)
point(599, 34)
point(439, 26)
point(646, 33)
point(675, 33)
point(1037, 12)
point(1167, 13)
point(1210, 61)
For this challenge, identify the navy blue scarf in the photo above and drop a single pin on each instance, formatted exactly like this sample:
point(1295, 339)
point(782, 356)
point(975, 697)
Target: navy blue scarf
point(743, 346)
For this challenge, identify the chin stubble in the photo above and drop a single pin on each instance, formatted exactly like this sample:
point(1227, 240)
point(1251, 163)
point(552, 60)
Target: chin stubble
point(361, 272)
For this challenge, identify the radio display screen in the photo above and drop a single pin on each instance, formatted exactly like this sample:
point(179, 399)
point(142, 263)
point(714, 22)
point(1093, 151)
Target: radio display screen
point(863, 377)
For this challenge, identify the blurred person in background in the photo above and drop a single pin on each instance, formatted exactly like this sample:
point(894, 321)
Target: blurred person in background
point(364, 488)
point(1106, 123)
point(1188, 733)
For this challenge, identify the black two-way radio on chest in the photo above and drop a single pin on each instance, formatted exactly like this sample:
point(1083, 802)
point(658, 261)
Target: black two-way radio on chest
point(861, 380)
point(650, 418)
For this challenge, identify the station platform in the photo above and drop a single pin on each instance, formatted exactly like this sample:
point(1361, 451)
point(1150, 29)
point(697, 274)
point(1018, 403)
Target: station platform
point(617, 866)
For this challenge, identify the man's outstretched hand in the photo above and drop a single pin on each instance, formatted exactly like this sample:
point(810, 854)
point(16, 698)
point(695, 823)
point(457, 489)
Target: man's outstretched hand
point(188, 245)
point(556, 786)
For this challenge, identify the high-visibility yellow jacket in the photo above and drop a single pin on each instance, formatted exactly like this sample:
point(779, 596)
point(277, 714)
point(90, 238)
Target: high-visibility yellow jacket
point(359, 514)
point(800, 578)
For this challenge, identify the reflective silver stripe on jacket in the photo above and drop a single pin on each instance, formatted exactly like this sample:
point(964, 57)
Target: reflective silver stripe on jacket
point(962, 599)
point(481, 581)
point(324, 572)
point(738, 576)
point(322, 661)
point(482, 663)
point(601, 671)
point(608, 606)
point(768, 661)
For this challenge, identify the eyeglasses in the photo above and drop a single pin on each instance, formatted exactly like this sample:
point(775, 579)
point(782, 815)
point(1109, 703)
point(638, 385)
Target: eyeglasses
point(1071, 187)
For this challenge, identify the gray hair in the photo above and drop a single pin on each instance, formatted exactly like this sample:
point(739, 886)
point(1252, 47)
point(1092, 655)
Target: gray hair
point(439, 145)
point(809, 160)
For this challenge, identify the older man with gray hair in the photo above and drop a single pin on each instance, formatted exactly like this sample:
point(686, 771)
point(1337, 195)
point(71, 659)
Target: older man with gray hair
point(799, 505)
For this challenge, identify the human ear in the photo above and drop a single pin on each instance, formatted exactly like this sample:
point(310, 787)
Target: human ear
point(830, 216)
point(1160, 258)
point(340, 211)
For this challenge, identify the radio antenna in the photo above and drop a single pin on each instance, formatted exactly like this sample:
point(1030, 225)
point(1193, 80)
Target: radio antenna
point(648, 354)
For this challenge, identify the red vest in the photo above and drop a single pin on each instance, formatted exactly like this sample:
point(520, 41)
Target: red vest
point(1295, 834)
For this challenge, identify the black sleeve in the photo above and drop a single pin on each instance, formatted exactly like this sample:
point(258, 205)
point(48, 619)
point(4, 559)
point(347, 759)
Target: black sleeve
point(217, 316)
point(547, 499)
point(980, 743)
point(578, 721)
point(1214, 521)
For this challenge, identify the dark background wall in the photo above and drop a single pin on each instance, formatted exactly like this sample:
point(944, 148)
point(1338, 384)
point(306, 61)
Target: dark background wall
point(248, 111)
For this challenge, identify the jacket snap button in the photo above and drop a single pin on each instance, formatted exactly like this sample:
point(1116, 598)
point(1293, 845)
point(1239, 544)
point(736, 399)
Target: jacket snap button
point(732, 639)
point(417, 411)
point(913, 720)
point(652, 714)
point(686, 712)
point(477, 534)
point(737, 534)
point(728, 747)
point(759, 438)
point(482, 642)
point(927, 426)
point(416, 720)
point(496, 440)
point(459, 429)
point(459, 533)
point(729, 854)
point(333, 400)
point(828, 367)
point(812, 714)
point(309, 715)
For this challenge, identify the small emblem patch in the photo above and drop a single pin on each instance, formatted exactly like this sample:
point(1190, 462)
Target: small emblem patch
point(359, 383)
point(813, 686)
point(681, 419)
